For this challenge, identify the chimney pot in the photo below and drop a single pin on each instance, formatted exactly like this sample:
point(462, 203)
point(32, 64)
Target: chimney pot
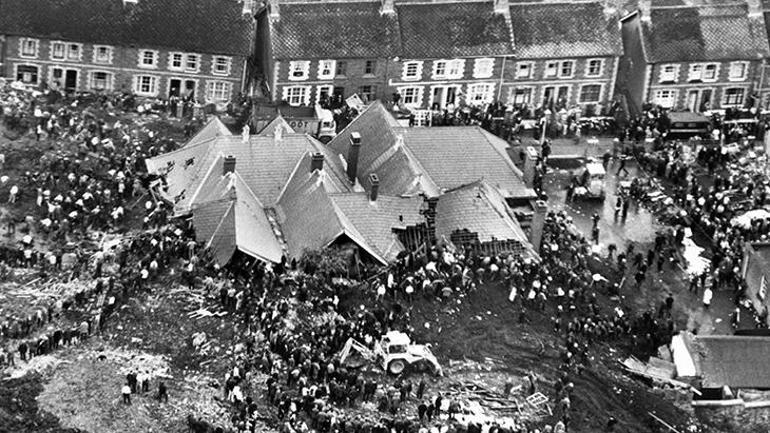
point(352, 159)
point(374, 187)
point(317, 163)
point(388, 7)
point(229, 165)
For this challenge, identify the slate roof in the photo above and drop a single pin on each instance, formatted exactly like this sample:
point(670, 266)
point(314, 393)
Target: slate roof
point(458, 29)
point(333, 30)
point(277, 122)
point(555, 30)
point(201, 26)
point(735, 361)
point(429, 160)
point(214, 224)
point(703, 33)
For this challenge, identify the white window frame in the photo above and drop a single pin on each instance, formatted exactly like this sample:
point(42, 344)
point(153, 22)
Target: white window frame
point(697, 72)
point(556, 88)
point(374, 67)
point(474, 90)
point(551, 66)
point(743, 76)
point(63, 46)
point(455, 69)
point(302, 66)
point(599, 98)
point(228, 61)
point(155, 84)
point(329, 91)
point(70, 57)
point(530, 67)
point(143, 65)
point(484, 68)
point(324, 66)
point(418, 70)
point(668, 77)
point(305, 99)
point(92, 79)
point(171, 61)
point(110, 52)
point(195, 57)
point(227, 91)
point(740, 103)
point(416, 97)
point(674, 97)
point(16, 72)
point(440, 68)
point(588, 68)
point(23, 55)
point(571, 64)
point(512, 94)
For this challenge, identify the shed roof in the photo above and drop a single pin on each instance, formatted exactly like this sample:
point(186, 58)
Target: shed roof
point(734, 361)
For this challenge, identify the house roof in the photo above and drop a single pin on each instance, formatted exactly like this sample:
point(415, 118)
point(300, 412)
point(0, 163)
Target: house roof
point(202, 26)
point(457, 29)
point(703, 33)
point(428, 160)
point(734, 361)
point(567, 29)
point(335, 30)
point(277, 122)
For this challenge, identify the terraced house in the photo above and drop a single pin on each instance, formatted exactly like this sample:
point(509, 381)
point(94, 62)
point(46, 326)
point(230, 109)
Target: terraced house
point(440, 53)
point(153, 48)
point(697, 56)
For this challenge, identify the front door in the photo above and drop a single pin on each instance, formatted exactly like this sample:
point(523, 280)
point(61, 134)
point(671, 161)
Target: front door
point(71, 80)
point(562, 97)
point(174, 87)
point(57, 77)
point(189, 89)
point(548, 96)
point(692, 100)
point(705, 100)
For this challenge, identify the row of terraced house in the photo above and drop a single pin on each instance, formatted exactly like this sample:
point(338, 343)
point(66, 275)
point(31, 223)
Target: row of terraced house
point(683, 54)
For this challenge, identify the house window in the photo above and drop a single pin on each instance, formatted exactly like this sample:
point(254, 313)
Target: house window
point(192, 63)
point(733, 97)
point(668, 73)
point(342, 68)
point(58, 50)
point(521, 95)
point(412, 71)
point(101, 80)
point(175, 61)
point(455, 68)
point(738, 71)
point(296, 95)
point(702, 72)
point(102, 54)
point(481, 93)
point(524, 70)
point(594, 68)
point(368, 93)
point(326, 69)
point(27, 74)
point(148, 59)
point(323, 93)
point(73, 52)
point(439, 68)
point(299, 70)
point(221, 65)
point(28, 48)
point(218, 91)
point(411, 95)
point(665, 98)
point(567, 69)
point(370, 67)
point(590, 93)
point(146, 85)
point(483, 68)
point(551, 69)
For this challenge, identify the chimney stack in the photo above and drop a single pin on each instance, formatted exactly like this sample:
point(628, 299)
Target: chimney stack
point(352, 159)
point(317, 163)
point(229, 165)
point(275, 13)
point(374, 186)
point(388, 7)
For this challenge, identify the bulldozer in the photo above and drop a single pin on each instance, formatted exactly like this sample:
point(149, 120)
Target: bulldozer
point(394, 353)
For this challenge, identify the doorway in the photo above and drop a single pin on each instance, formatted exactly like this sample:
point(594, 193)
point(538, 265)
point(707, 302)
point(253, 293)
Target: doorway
point(699, 100)
point(71, 79)
point(179, 88)
point(443, 96)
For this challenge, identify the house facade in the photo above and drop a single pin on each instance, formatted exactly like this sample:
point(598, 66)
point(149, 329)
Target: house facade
point(697, 58)
point(131, 49)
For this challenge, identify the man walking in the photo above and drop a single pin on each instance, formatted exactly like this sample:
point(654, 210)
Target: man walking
point(126, 392)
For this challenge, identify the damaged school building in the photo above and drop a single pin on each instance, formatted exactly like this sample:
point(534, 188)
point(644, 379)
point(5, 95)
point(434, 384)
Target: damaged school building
point(377, 187)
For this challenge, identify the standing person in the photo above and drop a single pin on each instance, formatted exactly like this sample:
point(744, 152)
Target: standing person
point(126, 391)
point(707, 294)
point(622, 166)
point(162, 392)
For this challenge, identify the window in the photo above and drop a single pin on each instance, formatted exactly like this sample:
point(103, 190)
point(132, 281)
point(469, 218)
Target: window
point(220, 65)
point(439, 69)
point(323, 93)
point(326, 69)
point(299, 70)
point(297, 95)
point(192, 63)
point(102, 54)
point(218, 91)
point(455, 68)
point(481, 93)
point(28, 48)
point(738, 71)
point(73, 52)
point(148, 59)
point(58, 50)
point(594, 68)
point(703, 72)
point(665, 98)
point(590, 93)
point(567, 69)
point(483, 68)
point(145, 85)
point(521, 95)
point(669, 73)
point(412, 71)
point(101, 80)
point(27, 74)
point(551, 69)
point(368, 93)
point(342, 68)
point(733, 97)
point(411, 95)
point(175, 61)
point(370, 67)
point(523, 70)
